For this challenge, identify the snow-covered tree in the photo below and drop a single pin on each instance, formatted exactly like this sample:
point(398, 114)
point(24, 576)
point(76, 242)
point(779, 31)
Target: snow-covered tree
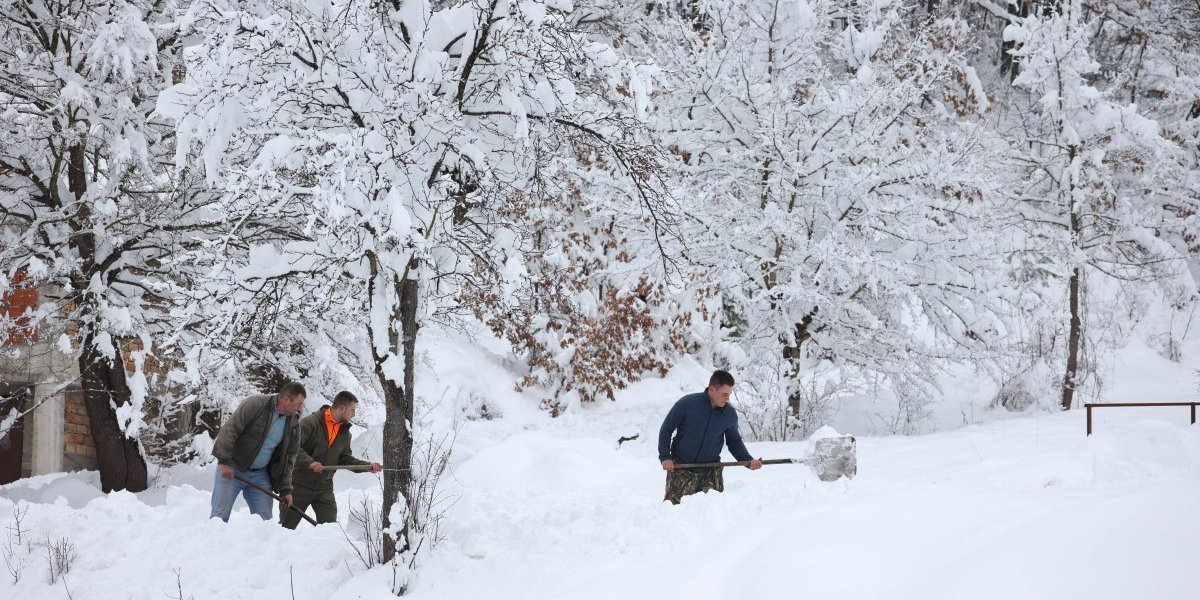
point(836, 198)
point(387, 139)
point(1150, 53)
point(1092, 203)
point(88, 214)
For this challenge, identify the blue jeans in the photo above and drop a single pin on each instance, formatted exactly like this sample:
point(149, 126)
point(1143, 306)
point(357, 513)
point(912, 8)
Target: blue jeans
point(225, 492)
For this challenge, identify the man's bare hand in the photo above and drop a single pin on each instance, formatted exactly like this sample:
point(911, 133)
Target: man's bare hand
point(755, 464)
point(226, 472)
point(286, 500)
point(316, 467)
point(376, 467)
point(668, 465)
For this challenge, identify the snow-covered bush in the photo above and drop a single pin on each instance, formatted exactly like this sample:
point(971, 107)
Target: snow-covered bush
point(588, 310)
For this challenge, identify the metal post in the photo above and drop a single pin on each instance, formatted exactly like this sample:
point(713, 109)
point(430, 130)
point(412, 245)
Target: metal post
point(1193, 413)
point(1089, 419)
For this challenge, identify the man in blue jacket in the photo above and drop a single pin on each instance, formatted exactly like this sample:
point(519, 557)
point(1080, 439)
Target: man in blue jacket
point(701, 424)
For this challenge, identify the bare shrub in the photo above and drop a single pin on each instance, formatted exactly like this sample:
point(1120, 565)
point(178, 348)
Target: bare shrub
point(368, 520)
point(16, 540)
point(427, 505)
point(60, 555)
point(179, 587)
point(428, 502)
point(474, 406)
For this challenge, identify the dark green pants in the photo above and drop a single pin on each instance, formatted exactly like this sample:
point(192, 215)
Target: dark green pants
point(322, 502)
point(684, 482)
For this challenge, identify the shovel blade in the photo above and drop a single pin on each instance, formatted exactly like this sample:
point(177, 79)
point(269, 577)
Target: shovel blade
point(835, 457)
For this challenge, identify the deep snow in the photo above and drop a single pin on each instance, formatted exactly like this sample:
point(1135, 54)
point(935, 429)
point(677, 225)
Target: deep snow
point(1013, 508)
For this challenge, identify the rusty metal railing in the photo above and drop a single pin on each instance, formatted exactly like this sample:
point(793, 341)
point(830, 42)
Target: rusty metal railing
point(1089, 407)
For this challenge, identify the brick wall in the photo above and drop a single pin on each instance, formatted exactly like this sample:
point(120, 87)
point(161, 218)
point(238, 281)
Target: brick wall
point(14, 304)
point(151, 365)
point(77, 432)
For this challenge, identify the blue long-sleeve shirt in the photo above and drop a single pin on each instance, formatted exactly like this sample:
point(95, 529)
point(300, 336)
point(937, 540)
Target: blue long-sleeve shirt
point(273, 438)
point(700, 431)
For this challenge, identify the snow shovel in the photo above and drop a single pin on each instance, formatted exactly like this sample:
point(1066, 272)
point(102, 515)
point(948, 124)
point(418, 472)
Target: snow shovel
point(269, 493)
point(831, 459)
point(361, 468)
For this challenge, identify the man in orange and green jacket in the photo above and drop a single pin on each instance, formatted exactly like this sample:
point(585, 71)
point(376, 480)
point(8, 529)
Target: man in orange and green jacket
point(324, 442)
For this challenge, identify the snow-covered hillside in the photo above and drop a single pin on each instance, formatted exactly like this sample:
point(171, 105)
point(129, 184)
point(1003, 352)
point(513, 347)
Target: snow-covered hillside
point(1013, 508)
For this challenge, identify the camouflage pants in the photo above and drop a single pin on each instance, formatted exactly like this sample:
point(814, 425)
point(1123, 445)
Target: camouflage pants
point(683, 482)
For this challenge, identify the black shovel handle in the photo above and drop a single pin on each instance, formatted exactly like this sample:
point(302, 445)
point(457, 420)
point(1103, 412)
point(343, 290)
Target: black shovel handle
point(741, 463)
point(273, 495)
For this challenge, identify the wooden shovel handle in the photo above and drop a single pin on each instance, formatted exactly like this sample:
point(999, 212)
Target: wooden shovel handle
point(741, 463)
point(271, 494)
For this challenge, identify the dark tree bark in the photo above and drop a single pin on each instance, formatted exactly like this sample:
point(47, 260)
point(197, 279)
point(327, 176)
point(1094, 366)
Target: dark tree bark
point(1008, 63)
point(119, 457)
point(793, 355)
point(1075, 329)
point(1074, 339)
point(397, 432)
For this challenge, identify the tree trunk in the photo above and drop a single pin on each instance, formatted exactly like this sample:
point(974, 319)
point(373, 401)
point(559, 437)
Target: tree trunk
point(1008, 63)
point(119, 457)
point(1074, 341)
point(791, 358)
point(793, 355)
point(397, 433)
point(1075, 334)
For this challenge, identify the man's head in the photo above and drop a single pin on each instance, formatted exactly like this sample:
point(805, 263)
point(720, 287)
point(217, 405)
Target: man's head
point(344, 406)
point(291, 398)
point(720, 387)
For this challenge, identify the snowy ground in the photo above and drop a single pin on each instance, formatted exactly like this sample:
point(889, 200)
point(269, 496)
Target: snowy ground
point(1020, 509)
point(1016, 508)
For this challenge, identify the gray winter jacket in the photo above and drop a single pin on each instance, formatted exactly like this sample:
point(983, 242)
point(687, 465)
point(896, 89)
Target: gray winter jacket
point(243, 434)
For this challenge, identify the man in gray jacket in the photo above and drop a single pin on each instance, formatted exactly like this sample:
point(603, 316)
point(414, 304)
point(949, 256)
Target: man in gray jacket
point(258, 443)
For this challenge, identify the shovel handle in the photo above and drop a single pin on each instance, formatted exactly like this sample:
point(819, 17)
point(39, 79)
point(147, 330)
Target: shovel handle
point(273, 495)
point(358, 468)
point(740, 463)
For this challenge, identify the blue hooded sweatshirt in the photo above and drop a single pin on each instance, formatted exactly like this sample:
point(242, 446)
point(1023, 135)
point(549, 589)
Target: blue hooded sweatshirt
point(700, 432)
